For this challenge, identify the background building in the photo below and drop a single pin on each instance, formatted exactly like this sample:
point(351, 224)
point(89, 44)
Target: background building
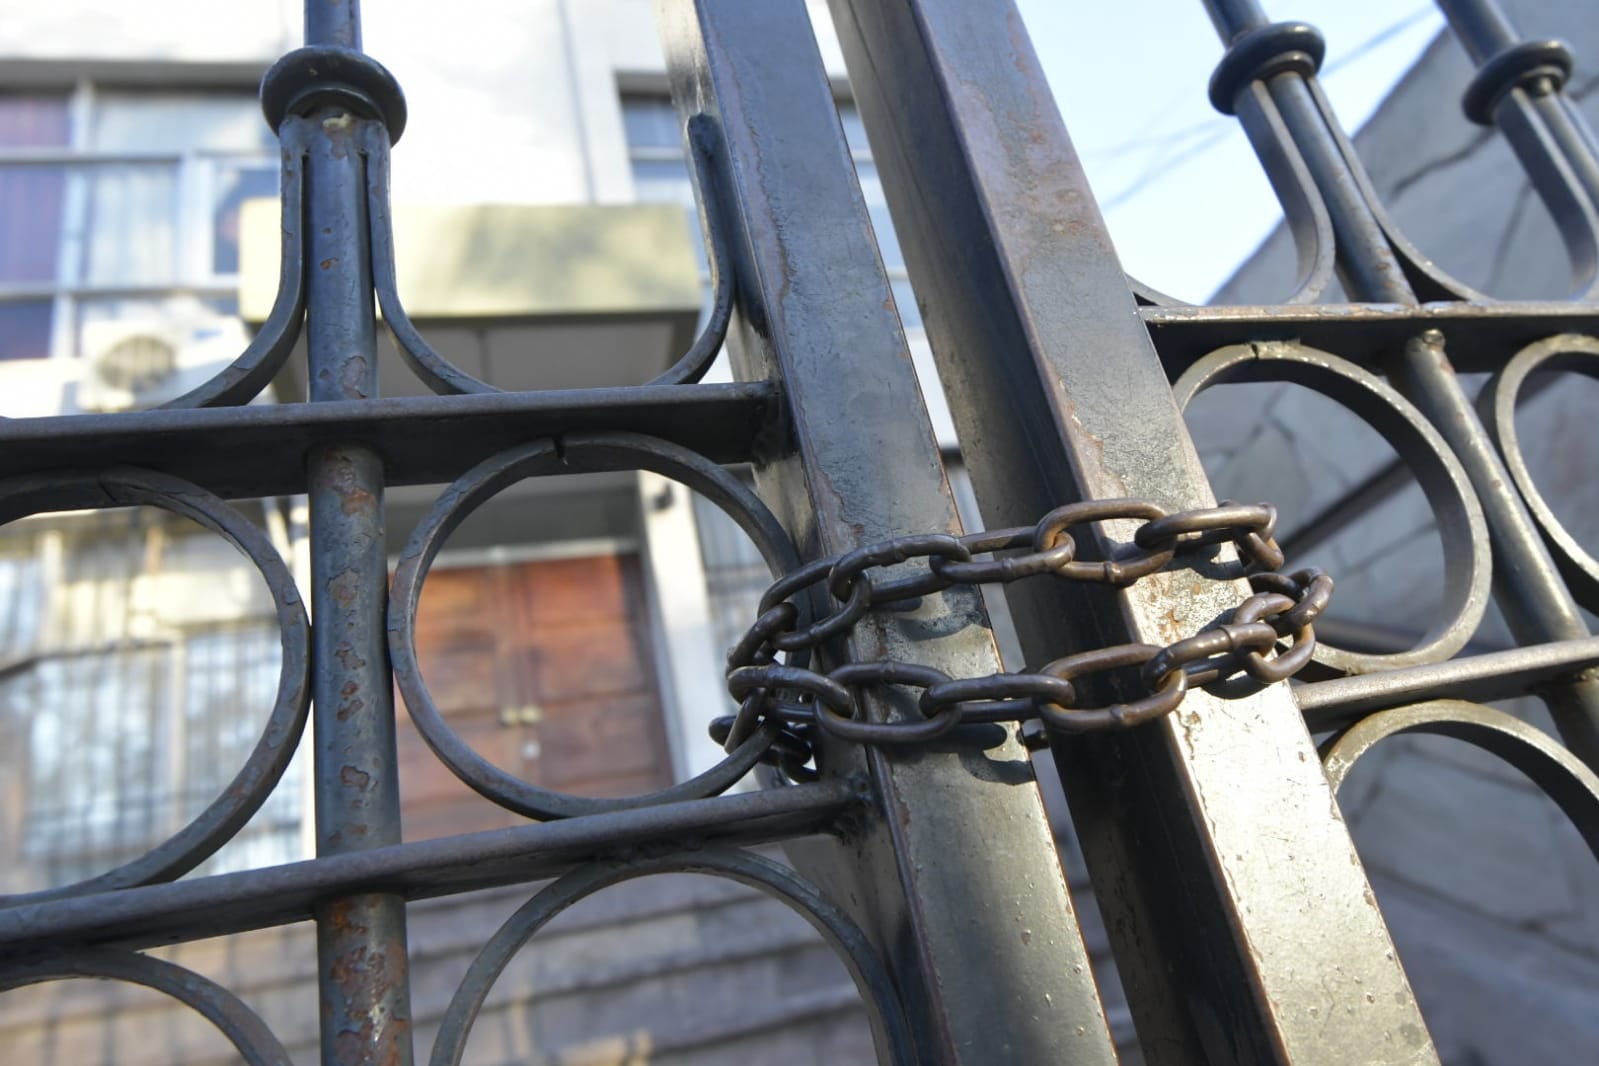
point(573, 631)
point(1491, 894)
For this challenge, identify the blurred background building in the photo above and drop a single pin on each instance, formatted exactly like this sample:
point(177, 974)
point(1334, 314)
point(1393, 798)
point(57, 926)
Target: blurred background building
point(573, 630)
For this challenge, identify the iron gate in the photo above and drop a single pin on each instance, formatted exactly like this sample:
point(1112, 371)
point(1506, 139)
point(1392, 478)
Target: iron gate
point(871, 696)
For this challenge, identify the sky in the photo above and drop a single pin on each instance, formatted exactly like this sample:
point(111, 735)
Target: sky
point(1184, 197)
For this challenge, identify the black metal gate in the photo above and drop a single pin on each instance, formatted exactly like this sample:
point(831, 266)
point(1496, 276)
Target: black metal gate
point(871, 698)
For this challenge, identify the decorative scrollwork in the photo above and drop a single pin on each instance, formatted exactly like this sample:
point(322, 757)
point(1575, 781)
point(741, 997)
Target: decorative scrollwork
point(444, 377)
point(243, 379)
point(280, 733)
point(571, 454)
point(889, 1029)
point(1557, 772)
point(1467, 559)
point(1568, 352)
point(244, 1028)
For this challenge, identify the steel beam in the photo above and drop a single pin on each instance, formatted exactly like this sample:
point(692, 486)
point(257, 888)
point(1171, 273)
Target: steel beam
point(242, 452)
point(1241, 918)
point(954, 877)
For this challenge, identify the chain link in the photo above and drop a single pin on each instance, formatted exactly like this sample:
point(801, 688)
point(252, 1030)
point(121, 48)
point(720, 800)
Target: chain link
point(802, 700)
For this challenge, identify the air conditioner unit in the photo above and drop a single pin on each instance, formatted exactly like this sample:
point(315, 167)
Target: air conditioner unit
point(135, 363)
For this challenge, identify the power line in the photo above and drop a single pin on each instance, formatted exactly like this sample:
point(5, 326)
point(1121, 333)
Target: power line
point(1213, 131)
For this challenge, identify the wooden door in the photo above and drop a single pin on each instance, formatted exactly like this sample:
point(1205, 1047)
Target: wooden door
point(545, 669)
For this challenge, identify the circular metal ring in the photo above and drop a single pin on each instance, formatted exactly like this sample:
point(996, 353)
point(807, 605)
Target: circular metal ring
point(1468, 561)
point(1054, 525)
point(751, 647)
point(826, 628)
point(997, 697)
point(1285, 664)
point(889, 1030)
point(1575, 354)
point(262, 769)
point(1157, 704)
point(747, 680)
point(932, 727)
point(1249, 527)
point(846, 572)
point(1214, 652)
point(1554, 769)
point(1261, 53)
point(1002, 571)
point(1207, 525)
point(231, 1015)
point(1310, 589)
point(324, 75)
point(1517, 67)
point(579, 453)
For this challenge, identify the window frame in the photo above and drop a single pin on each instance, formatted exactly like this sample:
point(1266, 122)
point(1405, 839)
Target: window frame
point(197, 175)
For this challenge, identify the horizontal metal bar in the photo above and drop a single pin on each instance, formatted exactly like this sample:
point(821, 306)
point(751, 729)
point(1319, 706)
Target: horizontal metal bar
point(260, 450)
point(1479, 678)
point(277, 895)
point(16, 292)
point(81, 157)
point(1481, 337)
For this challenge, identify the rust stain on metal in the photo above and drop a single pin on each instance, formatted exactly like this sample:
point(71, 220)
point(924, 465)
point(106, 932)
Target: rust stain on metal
point(352, 380)
point(355, 778)
point(345, 588)
point(348, 658)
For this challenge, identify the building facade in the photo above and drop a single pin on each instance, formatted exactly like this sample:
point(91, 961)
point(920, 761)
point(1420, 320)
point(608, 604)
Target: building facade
point(572, 631)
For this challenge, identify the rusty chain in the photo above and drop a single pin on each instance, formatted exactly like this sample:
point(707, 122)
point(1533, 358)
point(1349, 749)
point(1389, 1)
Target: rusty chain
point(799, 699)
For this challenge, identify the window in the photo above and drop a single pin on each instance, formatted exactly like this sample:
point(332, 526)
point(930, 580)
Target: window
point(660, 175)
point(139, 657)
point(122, 205)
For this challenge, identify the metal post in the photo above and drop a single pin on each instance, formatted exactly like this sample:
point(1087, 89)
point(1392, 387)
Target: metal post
point(361, 940)
point(1242, 921)
point(953, 874)
point(1528, 588)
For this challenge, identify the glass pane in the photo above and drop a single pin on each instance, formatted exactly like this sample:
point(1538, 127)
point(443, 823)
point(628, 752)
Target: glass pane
point(651, 122)
point(155, 658)
point(170, 122)
point(25, 329)
point(230, 681)
point(34, 121)
point(235, 184)
point(663, 181)
point(130, 224)
point(30, 221)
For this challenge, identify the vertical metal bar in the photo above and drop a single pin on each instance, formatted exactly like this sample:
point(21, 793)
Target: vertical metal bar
point(1485, 33)
point(1241, 918)
point(335, 22)
point(954, 874)
point(361, 940)
point(1528, 587)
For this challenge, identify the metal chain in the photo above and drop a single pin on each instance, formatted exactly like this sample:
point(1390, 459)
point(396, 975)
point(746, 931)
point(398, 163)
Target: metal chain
point(801, 699)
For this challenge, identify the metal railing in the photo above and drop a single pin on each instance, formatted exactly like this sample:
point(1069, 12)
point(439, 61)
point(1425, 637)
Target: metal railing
point(928, 864)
